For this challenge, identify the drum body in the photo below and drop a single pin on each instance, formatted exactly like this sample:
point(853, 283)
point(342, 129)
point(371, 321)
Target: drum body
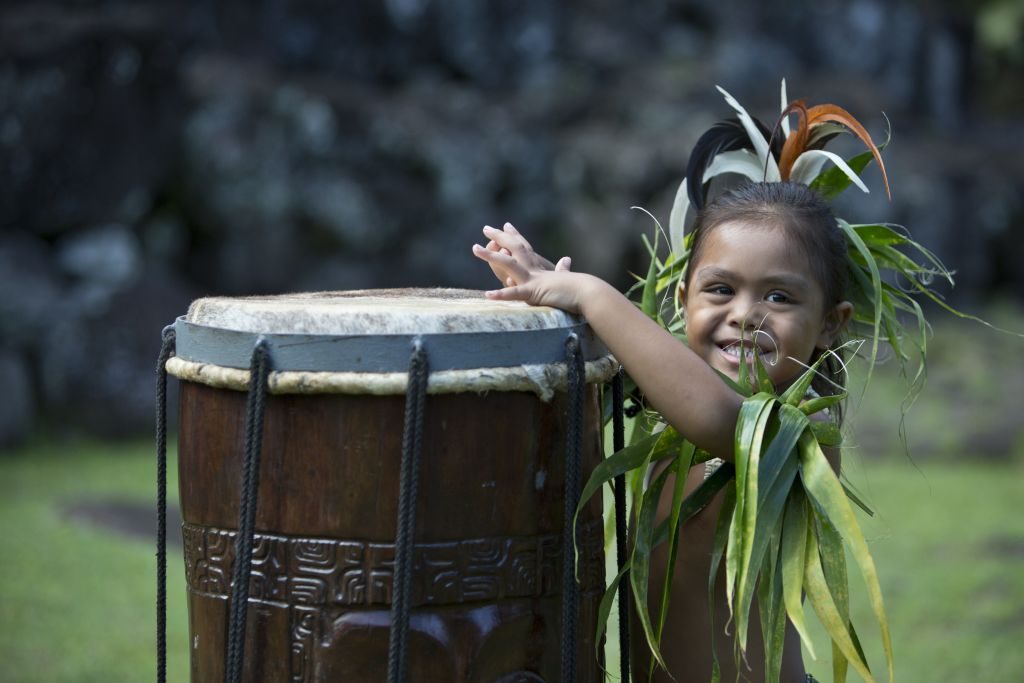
point(487, 558)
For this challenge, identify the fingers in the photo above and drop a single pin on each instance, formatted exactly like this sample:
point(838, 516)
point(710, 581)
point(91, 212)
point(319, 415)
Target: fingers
point(494, 246)
point(511, 230)
point(503, 262)
point(517, 293)
point(509, 238)
point(510, 242)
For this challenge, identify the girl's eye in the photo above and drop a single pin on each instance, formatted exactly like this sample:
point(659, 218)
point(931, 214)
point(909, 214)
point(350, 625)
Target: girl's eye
point(777, 298)
point(720, 290)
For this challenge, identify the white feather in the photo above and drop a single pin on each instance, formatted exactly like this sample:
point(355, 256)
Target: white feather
point(808, 165)
point(740, 161)
point(760, 144)
point(677, 219)
point(785, 102)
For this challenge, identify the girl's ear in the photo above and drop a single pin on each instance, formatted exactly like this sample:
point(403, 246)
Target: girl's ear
point(834, 323)
point(681, 296)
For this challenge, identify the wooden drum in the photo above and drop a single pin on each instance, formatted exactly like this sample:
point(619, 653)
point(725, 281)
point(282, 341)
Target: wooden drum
point(487, 547)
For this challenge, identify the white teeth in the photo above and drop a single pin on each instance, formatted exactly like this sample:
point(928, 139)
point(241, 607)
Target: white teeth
point(736, 351)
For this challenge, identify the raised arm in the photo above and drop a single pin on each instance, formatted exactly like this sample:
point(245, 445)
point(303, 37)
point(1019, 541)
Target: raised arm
point(678, 383)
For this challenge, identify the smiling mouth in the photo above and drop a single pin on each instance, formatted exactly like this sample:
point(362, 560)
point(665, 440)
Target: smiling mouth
point(745, 351)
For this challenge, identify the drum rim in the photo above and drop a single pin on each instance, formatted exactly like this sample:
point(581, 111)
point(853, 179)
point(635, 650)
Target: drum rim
point(378, 364)
point(382, 353)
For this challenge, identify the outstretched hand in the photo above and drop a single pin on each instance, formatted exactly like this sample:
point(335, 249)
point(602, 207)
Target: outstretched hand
point(525, 274)
point(511, 242)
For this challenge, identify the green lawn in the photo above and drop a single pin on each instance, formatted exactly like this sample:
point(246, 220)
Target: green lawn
point(76, 602)
point(949, 546)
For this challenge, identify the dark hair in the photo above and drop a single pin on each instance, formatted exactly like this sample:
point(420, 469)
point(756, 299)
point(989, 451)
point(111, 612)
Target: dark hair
point(809, 221)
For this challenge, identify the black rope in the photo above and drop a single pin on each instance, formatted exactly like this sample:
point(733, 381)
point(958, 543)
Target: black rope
point(619, 442)
point(166, 351)
point(259, 372)
point(573, 451)
point(412, 448)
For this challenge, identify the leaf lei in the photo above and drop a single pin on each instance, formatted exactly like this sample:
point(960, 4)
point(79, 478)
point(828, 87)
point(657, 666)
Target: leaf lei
point(786, 519)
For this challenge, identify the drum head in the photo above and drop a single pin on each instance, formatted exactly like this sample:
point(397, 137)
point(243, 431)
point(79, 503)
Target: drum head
point(337, 338)
point(376, 312)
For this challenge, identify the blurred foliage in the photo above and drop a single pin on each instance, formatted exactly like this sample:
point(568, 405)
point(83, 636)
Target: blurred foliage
point(1001, 29)
point(964, 410)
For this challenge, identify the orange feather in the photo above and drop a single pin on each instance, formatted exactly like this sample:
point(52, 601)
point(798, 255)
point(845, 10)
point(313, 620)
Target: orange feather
point(796, 142)
point(823, 113)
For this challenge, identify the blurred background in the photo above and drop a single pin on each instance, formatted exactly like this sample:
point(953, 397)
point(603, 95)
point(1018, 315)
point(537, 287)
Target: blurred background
point(152, 152)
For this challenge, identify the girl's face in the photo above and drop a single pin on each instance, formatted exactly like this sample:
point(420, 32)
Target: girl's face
point(752, 292)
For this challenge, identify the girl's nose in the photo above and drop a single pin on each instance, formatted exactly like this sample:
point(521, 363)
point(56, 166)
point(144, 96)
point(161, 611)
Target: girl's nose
point(743, 313)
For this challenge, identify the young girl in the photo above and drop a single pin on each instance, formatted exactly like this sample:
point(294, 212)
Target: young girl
point(766, 279)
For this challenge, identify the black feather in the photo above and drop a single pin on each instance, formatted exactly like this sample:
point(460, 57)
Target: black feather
point(775, 141)
point(724, 136)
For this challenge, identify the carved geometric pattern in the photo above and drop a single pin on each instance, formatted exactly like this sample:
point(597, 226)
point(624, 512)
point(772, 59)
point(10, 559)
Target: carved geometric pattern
point(305, 624)
point(318, 572)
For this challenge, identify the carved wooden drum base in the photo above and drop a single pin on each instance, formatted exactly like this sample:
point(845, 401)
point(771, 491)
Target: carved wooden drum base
point(486, 577)
point(490, 604)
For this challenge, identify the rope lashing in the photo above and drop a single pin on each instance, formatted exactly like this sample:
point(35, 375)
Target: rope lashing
point(412, 448)
point(259, 371)
point(573, 454)
point(619, 442)
point(167, 345)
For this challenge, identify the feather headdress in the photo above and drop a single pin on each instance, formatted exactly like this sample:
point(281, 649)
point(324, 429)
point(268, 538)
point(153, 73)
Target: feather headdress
point(747, 147)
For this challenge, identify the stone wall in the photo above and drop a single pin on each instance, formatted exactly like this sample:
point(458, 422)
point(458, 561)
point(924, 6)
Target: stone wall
point(152, 152)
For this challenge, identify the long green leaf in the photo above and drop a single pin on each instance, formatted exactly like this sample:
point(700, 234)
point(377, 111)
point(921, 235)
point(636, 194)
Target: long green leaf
point(640, 563)
point(798, 389)
point(829, 500)
point(794, 559)
point(742, 390)
point(815, 405)
point(833, 564)
point(649, 449)
point(649, 298)
point(857, 501)
point(876, 284)
point(750, 427)
point(683, 463)
point(772, 610)
point(820, 597)
point(827, 433)
point(604, 608)
point(880, 233)
point(764, 383)
point(777, 469)
point(721, 537)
